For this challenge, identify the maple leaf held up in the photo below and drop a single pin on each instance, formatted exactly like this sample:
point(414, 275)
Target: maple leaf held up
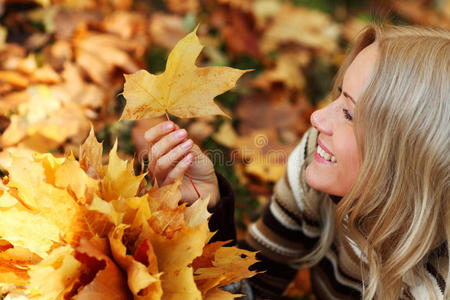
point(183, 90)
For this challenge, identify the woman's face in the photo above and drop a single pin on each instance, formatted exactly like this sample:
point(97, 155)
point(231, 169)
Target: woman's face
point(336, 162)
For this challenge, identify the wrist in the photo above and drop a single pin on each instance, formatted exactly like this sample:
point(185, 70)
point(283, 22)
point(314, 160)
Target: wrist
point(215, 194)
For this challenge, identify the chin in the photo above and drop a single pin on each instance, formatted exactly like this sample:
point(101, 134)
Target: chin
point(318, 181)
point(313, 179)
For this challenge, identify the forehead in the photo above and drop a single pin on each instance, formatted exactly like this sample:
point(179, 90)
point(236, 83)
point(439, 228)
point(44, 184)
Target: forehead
point(359, 71)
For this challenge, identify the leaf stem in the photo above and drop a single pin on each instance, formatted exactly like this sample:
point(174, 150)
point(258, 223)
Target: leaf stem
point(190, 178)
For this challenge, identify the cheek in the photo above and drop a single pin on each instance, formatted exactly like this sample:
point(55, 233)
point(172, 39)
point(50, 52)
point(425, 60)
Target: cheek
point(337, 179)
point(347, 155)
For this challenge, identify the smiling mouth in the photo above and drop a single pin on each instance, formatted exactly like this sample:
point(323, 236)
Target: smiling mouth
point(325, 154)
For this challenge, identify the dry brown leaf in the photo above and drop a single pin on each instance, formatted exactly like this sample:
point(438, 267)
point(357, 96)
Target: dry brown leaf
point(419, 13)
point(14, 78)
point(240, 4)
point(310, 28)
point(266, 167)
point(44, 121)
point(352, 27)
point(183, 6)
point(199, 130)
point(45, 74)
point(166, 30)
point(98, 55)
point(238, 29)
point(287, 70)
point(226, 135)
point(3, 34)
point(301, 285)
point(27, 65)
point(125, 24)
point(264, 11)
point(281, 115)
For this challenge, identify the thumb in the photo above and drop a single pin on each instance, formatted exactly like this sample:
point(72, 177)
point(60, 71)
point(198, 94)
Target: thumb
point(200, 158)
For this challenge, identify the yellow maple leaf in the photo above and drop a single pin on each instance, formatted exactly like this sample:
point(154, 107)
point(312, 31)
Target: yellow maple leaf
point(219, 294)
point(16, 226)
point(69, 175)
point(49, 278)
point(91, 156)
point(119, 180)
point(266, 167)
point(230, 264)
point(183, 90)
point(174, 258)
point(139, 277)
point(95, 235)
point(108, 281)
point(165, 197)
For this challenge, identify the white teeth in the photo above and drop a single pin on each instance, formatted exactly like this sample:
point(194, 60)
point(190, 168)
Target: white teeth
point(325, 155)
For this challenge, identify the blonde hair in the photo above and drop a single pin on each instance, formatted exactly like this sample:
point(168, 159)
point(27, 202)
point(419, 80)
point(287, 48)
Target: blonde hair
point(398, 210)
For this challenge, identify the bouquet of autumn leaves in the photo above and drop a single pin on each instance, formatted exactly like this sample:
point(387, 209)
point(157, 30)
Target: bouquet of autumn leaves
point(78, 229)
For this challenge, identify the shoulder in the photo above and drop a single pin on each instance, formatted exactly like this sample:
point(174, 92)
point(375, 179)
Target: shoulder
point(436, 269)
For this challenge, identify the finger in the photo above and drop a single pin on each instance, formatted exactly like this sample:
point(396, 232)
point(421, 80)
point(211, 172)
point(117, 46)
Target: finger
point(167, 161)
point(158, 131)
point(164, 145)
point(179, 169)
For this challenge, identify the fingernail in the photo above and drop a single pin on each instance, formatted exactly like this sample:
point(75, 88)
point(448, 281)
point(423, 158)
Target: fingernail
point(181, 133)
point(167, 125)
point(187, 144)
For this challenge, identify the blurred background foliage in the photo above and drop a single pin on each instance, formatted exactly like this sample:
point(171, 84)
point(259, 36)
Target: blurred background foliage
point(62, 64)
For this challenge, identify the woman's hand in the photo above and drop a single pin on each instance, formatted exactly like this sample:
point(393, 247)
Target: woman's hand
point(171, 154)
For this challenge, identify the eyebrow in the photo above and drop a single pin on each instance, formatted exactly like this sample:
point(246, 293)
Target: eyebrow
point(350, 97)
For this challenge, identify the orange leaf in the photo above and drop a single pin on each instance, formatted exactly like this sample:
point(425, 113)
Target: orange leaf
point(103, 279)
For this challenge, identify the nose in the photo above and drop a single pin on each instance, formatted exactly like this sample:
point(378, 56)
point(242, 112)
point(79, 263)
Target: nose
point(321, 121)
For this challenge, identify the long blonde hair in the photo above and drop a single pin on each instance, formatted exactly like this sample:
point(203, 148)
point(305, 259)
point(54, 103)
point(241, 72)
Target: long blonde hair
point(398, 210)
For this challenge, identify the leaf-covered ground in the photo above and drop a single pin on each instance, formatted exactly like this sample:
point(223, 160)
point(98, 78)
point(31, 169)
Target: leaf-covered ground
point(62, 64)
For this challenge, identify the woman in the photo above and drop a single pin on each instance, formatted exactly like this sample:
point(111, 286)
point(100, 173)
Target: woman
point(365, 198)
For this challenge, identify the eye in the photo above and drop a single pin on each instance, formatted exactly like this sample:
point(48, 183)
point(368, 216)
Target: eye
point(347, 114)
point(340, 90)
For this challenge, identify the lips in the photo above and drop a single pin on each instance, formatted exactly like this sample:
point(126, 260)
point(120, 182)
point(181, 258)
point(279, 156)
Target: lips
point(324, 155)
point(324, 148)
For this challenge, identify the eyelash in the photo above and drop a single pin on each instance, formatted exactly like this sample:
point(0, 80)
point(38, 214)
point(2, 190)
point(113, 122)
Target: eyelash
point(347, 113)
